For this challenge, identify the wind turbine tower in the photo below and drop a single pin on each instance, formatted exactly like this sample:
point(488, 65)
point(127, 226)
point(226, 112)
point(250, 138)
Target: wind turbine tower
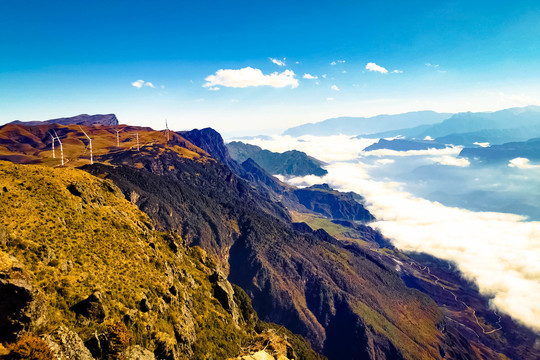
point(137, 133)
point(167, 130)
point(117, 138)
point(90, 140)
point(53, 153)
point(61, 147)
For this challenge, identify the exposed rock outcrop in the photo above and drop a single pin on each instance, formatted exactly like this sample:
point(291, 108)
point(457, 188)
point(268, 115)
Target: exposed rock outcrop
point(224, 293)
point(138, 353)
point(22, 307)
point(91, 307)
point(67, 345)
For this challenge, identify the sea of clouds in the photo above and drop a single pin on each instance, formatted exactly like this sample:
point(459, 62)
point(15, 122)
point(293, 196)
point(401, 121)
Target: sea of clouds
point(500, 252)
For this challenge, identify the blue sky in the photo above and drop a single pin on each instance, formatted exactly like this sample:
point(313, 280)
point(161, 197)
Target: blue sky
point(62, 58)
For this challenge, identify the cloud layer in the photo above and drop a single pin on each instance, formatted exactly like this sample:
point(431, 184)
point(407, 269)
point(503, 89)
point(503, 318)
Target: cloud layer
point(499, 252)
point(521, 163)
point(249, 76)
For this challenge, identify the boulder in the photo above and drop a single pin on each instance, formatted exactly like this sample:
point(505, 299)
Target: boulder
point(144, 305)
point(91, 307)
point(67, 345)
point(138, 353)
point(224, 293)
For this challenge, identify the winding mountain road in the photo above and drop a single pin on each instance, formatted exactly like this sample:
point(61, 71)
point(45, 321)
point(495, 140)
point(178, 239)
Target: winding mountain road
point(438, 282)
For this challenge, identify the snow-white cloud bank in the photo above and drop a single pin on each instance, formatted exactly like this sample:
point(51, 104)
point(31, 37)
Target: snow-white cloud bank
point(499, 252)
point(522, 163)
point(249, 76)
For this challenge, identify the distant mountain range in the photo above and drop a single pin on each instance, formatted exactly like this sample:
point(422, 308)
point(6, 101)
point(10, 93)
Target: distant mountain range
point(295, 163)
point(404, 145)
point(529, 149)
point(83, 119)
point(363, 125)
point(466, 129)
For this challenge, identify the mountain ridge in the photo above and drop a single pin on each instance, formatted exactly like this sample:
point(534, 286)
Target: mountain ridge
point(82, 119)
point(297, 276)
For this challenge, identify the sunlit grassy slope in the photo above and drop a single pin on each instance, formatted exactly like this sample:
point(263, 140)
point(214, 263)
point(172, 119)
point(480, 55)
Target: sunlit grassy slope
point(74, 234)
point(34, 144)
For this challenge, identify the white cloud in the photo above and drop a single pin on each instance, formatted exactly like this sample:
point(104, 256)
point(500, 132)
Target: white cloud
point(344, 72)
point(323, 76)
point(433, 152)
point(334, 63)
point(334, 87)
point(278, 62)
point(499, 252)
point(429, 138)
point(481, 144)
point(140, 83)
point(451, 161)
point(432, 65)
point(397, 72)
point(249, 76)
point(330, 99)
point(522, 163)
point(385, 161)
point(309, 76)
point(374, 67)
point(213, 88)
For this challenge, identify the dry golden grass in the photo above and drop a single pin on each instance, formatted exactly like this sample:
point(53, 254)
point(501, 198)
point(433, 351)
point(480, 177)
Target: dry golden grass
point(75, 233)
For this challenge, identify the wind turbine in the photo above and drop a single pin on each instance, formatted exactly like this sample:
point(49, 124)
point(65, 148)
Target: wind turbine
point(53, 154)
point(117, 137)
point(167, 130)
point(90, 140)
point(61, 147)
point(137, 133)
